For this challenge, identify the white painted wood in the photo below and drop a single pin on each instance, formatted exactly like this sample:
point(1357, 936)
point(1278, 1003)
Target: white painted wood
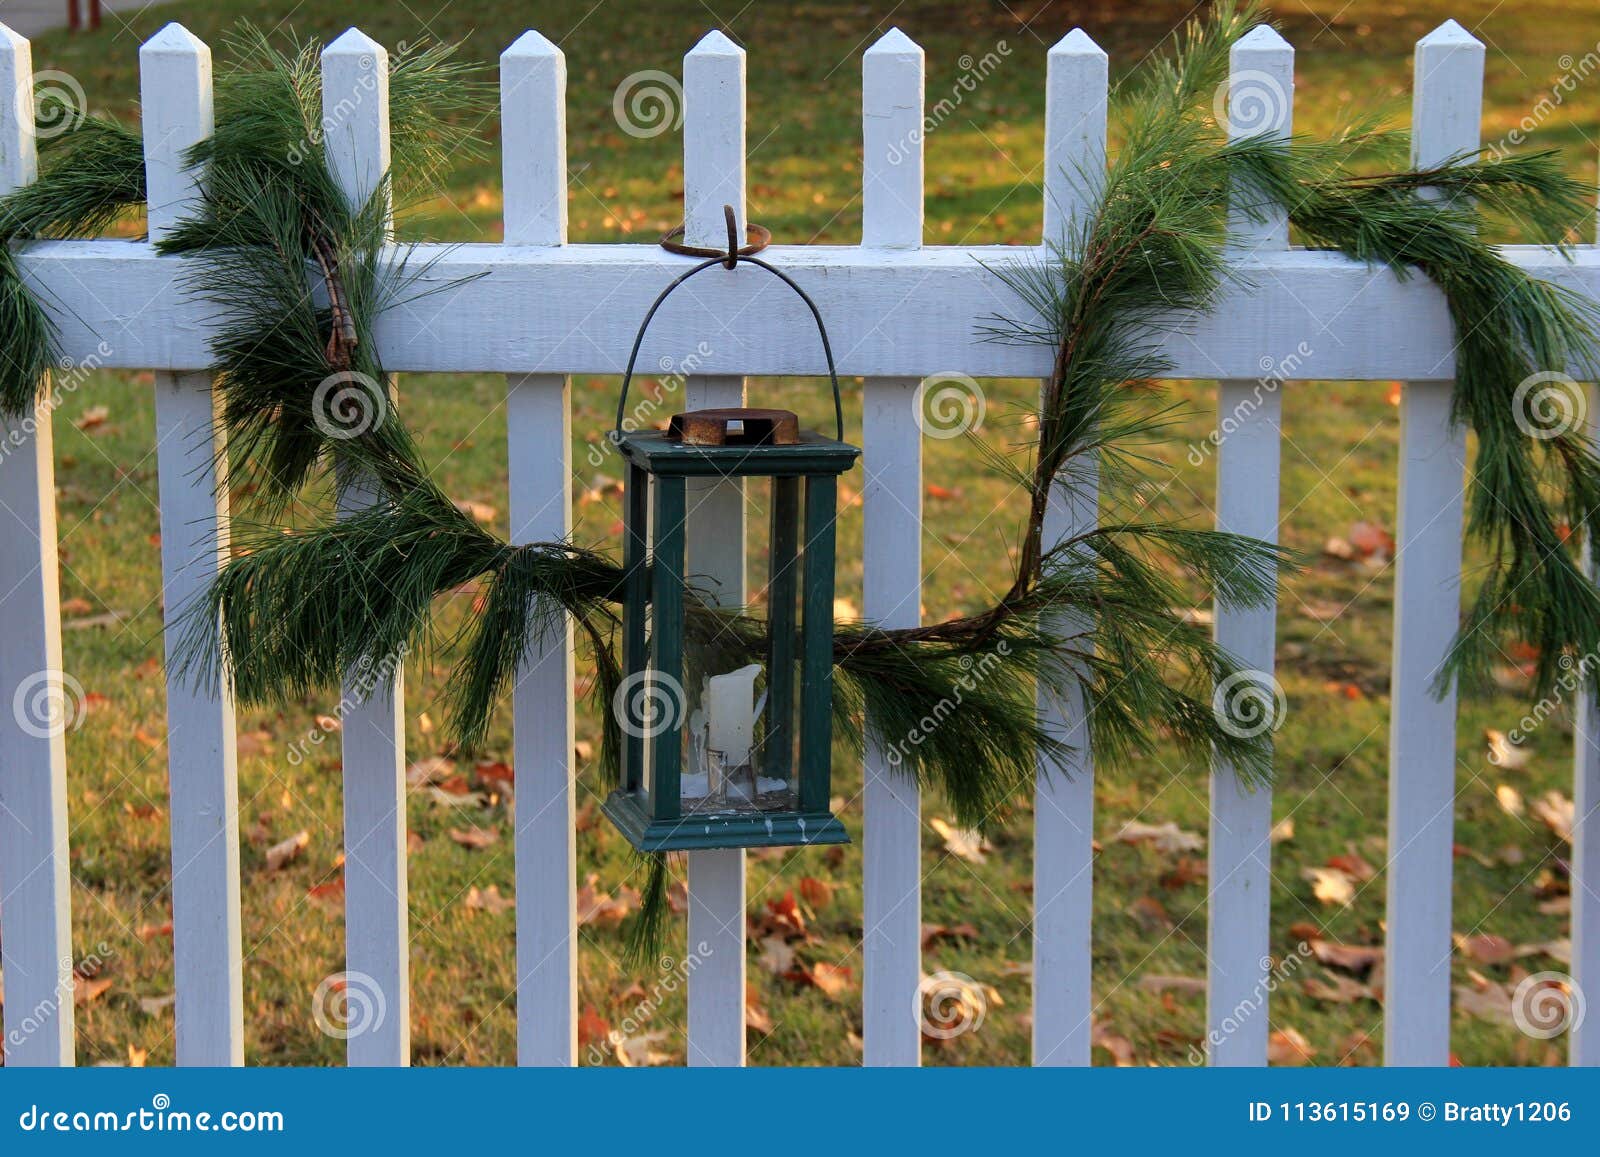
point(1583, 1042)
point(892, 133)
point(1446, 109)
point(891, 438)
point(191, 450)
point(1239, 882)
point(1063, 856)
point(35, 883)
point(533, 140)
point(518, 309)
point(1076, 97)
point(714, 176)
point(355, 83)
point(892, 85)
point(533, 82)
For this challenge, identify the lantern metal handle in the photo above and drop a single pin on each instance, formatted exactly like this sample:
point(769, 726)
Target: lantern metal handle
point(730, 260)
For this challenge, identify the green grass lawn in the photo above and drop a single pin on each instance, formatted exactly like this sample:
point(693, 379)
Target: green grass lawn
point(983, 168)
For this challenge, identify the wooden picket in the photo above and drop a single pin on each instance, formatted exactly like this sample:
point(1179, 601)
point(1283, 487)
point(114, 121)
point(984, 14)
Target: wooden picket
point(901, 314)
point(891, 217)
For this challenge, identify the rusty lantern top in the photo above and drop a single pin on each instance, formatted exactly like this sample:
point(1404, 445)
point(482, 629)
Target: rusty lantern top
point(735, 427)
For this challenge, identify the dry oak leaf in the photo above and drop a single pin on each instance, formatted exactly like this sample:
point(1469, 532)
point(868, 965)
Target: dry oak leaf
point(1503, 752)
point(1331, 885)
point(430, 769)
point(817, 893)
point(488, 900)
point(156, 1005)
point(1350, 957)
point(1289, 1047)
point(284, 852)
point(597, 907)
point(1120, 1048)
point(86, 990)
point(638, 1051)
point(776, 955)
point(474, 837)
point(592, 1027)
point(1485, 948)
point(1164, 837)
point(1336, 988)
point(962, 842)
point(1556, 811)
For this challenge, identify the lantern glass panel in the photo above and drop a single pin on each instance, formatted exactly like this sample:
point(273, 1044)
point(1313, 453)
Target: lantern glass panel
point(741, 731)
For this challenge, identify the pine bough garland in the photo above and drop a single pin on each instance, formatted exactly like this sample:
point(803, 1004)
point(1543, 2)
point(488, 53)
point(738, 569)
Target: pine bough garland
point(297, 277)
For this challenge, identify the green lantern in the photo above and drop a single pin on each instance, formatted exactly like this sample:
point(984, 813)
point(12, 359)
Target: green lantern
point(727, 740)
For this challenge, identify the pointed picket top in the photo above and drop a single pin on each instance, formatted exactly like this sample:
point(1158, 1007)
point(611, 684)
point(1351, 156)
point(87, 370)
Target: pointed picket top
point(351, 42)
point(174, 40)
point(1076, 86)
point(1077, 43)
point(534, 44)
point(1447, 94)
point(713, 139)
point(716, 43)
point(533, 141)
point(892, 131)
point(18, 158)
point(1263, 37)
point(895, 43)
point(1450, 34)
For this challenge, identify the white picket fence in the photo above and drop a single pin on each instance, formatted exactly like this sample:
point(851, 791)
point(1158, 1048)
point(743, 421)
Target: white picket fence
point(898, 312)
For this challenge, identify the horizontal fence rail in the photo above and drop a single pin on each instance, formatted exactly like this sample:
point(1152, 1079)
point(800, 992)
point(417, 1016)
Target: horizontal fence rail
point(538, 310)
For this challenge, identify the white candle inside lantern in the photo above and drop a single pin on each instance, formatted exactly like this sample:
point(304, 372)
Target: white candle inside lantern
point(730, 722)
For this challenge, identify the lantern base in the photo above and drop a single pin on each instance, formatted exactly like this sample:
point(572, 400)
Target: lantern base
point(726, 830)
